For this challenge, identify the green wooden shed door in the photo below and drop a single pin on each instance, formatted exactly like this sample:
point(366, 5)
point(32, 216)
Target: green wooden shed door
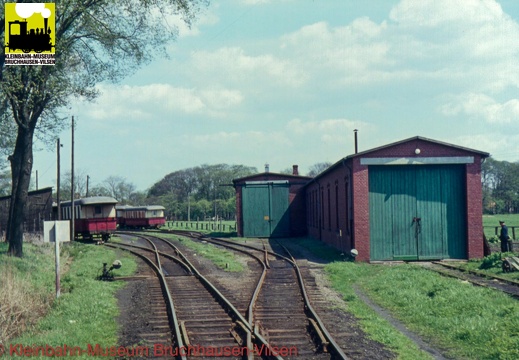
point(417, 212)
point(265, 209)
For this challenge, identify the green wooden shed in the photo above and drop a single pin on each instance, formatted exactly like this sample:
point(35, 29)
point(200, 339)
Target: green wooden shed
point(270, 205)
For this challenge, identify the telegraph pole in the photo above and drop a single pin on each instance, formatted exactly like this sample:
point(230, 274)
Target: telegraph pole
point(58, 181)
point(56, 237)
point(72, 209)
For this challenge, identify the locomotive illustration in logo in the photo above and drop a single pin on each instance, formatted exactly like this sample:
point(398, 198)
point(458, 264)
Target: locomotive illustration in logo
point(28, 27)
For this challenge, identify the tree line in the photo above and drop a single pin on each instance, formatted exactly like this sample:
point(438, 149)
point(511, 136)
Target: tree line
point(500, 180)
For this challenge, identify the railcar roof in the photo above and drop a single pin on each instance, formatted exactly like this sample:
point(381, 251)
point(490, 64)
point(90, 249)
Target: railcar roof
point(144, 207)
point(93, 200)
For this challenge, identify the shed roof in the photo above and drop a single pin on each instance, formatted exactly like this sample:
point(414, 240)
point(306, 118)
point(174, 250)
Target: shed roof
point(481, 153)
point(30, 193)
point(421, 138)
point(269, 176)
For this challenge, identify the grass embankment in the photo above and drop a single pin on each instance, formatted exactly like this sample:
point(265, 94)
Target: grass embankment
point(221, 258)
point(468, 322)
point(84, 313)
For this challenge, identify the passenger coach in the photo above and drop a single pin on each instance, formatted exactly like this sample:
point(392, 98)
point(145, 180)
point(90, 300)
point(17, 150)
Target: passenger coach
point(94, 216)
point(148, 217)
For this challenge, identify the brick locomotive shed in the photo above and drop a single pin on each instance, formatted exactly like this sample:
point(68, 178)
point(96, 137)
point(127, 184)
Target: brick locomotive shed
point(416, 199)
point(270, 204)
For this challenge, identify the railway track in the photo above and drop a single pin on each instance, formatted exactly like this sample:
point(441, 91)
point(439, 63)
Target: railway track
point(477, 278)
point(279, 307)
point(201, 323)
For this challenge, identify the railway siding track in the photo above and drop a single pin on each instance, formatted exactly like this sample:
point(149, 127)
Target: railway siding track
point(475, 277)
point(208, 325)
point(283, 313)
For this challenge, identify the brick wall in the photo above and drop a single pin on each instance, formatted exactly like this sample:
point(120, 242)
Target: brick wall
point(361, 210)
point(474, 210)
point(360, 236)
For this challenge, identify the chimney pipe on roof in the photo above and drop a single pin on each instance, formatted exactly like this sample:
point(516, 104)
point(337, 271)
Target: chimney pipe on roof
point(295, 171)
point(267, 168)
point(356, 141)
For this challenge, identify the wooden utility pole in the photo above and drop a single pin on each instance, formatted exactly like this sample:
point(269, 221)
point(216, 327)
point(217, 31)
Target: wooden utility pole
point(72, 209)
point(58, 182)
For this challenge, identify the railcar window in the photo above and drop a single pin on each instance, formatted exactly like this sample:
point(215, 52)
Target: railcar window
point(97, 209)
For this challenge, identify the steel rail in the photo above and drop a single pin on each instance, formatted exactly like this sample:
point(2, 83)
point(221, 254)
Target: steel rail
point(161, 253)
point(338, 352)
point(259, 285)
point(249, 329)
point(335, 347)
point(487, 281)
point(478, 273)
point(171, 308)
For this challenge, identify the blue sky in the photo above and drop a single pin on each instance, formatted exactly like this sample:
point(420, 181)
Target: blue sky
point(286, 81)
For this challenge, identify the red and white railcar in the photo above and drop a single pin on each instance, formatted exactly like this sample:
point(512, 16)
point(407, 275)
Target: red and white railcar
point(147, 217)
point(94, 216)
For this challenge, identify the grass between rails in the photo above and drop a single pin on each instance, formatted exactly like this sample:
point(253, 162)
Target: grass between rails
point(221, 258)
point(468, 322)
point(86, 311)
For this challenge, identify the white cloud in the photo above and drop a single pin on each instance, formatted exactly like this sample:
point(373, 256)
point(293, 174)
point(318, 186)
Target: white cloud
point(233, 64)
point(250, 140)
point(484, 107)
point(262, 2)
point(349, 52)
point(329, 131)
point(434, 13)
point(498, 145)
point(152, 101)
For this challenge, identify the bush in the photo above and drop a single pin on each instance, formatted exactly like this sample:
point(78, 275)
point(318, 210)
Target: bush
point(494, 260)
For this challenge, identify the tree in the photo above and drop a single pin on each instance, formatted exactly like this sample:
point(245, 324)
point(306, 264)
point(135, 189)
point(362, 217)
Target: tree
point(318, 168)
point(500, 182)
point(79, 185)
point(95, 41)
point(119, 188)
point(208, 187)
point(5, 183)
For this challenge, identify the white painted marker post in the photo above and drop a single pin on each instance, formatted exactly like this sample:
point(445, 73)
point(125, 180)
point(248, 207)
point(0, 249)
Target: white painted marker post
point(56, 240)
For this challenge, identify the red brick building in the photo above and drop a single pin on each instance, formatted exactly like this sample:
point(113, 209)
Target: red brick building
point(271, 205)
point(416, 199)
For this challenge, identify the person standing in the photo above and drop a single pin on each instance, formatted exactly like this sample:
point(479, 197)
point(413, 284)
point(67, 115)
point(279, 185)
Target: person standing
point(505, 246)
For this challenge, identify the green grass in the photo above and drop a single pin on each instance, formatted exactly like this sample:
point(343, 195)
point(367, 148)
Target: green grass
point(469, 322)
point(491, 221)
point(221, 258)
point(490, 265)
point(86, 311)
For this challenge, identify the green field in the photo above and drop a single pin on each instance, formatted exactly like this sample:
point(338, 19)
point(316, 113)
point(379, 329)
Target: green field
point(490, 222)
